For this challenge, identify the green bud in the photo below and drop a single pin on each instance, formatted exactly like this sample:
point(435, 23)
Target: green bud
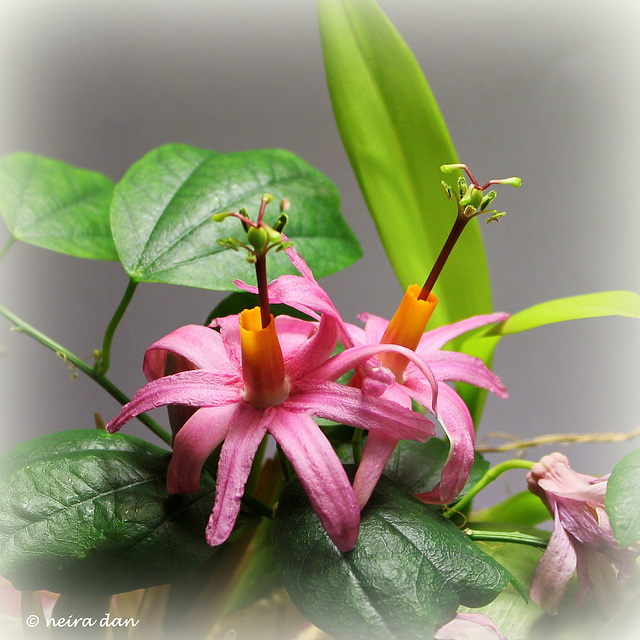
point(267, 197)
point(472, 197)
point(230, 243)
point(487, 200)
point(272, 235)
point(496, 216)
point(513, 182)
point(284, 245)
point(219, 217)
point(281, 222)
point(450, 168)
point(447, 189)
point(462, 186)
point(258, 238)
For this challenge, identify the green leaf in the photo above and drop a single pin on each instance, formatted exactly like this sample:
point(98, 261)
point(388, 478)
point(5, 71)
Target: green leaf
point(162, 208)
point(237, 301)
point(88, 512)
point(623, 499)
point(53, 205)
point(593, 305)
point(522, 620)
point(396, 140)
point(523, 508)
point(409, 571)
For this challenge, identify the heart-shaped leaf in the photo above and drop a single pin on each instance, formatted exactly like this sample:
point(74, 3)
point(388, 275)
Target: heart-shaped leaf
point(409, 571)
point(623, 499)
point(53, 205)
point(162, 208)
point(88, 512)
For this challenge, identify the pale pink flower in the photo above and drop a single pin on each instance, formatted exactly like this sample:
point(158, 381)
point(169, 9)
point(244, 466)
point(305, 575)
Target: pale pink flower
point(246, 381)
point(469, 626)
point(582, 539)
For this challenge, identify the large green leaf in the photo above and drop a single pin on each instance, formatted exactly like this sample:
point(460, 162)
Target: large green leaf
point(409, 571)
point(593, 305)
point(88, 512)
point(162, 207)
point(623, 499)
point(396, 140)
point(53, 205)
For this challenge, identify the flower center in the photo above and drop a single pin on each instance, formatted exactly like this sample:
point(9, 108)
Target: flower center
point(265, 382)
point(406, 327)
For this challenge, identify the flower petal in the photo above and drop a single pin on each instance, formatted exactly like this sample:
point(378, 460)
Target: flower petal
point(194, 443)
point(201, 346)
point(436, 338)
point(191, 388)
point(248, 426)
point(555, 570)
point(321, 474)
point(348, 405)
point(456, 421)
point(469, 626)
point(460, 367)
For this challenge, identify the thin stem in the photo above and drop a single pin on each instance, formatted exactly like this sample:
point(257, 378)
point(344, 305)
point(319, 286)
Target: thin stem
point(507, 536)
point(454, 234)
point(8, 244)
point(487, 479)
point(79, 364)
point(263, 295)
point(103, 363)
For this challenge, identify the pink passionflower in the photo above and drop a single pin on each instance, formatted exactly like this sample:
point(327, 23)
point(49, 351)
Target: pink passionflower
point(246, 381)
point(409, 383)
point(469, 626)
point(582, 539)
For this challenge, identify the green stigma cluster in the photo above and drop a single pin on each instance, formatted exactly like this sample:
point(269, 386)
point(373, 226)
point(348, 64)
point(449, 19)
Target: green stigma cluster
point(471, 199)
point(260, 236)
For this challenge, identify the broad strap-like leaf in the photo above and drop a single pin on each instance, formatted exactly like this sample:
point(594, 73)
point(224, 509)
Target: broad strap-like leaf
point(88, 512)
point(623, 499)
point(396, 140)
point(53, 205)
point(162, 208)
point(409, 571)
point(593, 305)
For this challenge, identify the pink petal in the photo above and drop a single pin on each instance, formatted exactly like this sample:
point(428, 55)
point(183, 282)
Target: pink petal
point(245, 434)
point(555, 570)
point(456, 421)
point(374, 327)
point(436, 338)
point(376, 454)
point(460, 367)
point(469, 626)
point(321, 474)
point(194, 443)
point(230, 334)
point(303, 356)
point(191, 388)
point(349, 358)
point(350, 406)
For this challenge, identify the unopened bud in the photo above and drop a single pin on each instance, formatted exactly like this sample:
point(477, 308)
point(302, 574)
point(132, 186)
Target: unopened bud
point(487, 200)
point(450, 168)
point(472, 197)
point(285, 205)
point(267, 198)
point(281, 222)
point(447, 189)
point(258, 238)
point(513, 182)
point(496, 216)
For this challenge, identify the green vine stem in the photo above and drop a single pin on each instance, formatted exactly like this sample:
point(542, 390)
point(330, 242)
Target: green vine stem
point(506, 536)
point(487, 479)
point(104, 360)
point(8, 244)
point(79, 364)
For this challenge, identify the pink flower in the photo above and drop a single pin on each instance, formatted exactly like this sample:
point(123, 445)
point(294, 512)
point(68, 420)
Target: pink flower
point(469, 626)
point(409, 383)
point(246, 381)
point(582, 539)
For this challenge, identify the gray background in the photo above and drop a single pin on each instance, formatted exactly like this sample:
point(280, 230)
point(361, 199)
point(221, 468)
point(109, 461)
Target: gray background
point(544, 90)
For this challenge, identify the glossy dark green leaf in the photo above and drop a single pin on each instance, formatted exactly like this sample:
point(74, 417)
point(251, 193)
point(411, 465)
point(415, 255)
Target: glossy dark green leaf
point(237, 301)
point(396, 140)
point(162, 208)
point(88, 512)
point(623, 499)
point(53, 205)
point(409, 571)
